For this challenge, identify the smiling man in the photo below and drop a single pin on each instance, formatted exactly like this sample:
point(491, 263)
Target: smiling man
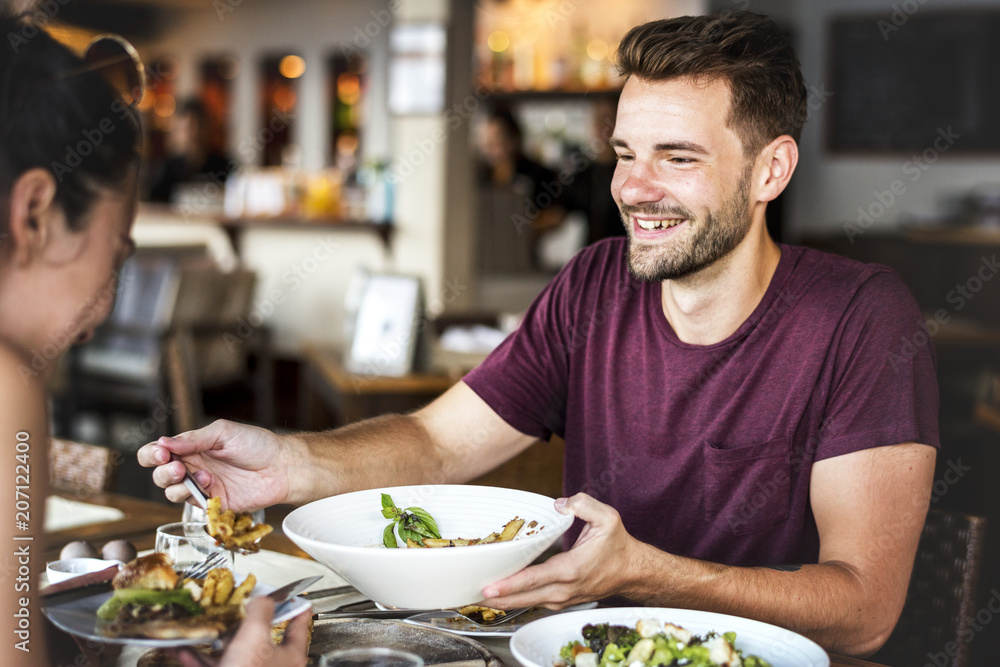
point(736, 437)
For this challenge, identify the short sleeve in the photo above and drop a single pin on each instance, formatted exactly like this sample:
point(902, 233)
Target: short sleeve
point(884, 384)
point(525, 379)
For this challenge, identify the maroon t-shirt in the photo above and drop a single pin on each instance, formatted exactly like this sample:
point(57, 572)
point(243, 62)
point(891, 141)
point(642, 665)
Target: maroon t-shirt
point(706, 450)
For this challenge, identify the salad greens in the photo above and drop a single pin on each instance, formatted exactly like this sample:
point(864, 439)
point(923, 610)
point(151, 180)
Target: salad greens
point(147, 598)
point(651, 644)
point(413, 524)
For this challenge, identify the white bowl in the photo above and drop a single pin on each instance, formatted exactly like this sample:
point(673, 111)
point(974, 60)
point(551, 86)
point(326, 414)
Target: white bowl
point(345, 533)
point(61, 570)
point(537, 644)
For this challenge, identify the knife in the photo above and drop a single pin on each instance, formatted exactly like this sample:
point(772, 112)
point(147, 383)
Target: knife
point(281, 596)
point(288, 591)
point(329, 592)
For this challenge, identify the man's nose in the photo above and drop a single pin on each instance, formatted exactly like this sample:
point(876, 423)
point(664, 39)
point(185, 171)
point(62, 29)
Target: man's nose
point(639, 186)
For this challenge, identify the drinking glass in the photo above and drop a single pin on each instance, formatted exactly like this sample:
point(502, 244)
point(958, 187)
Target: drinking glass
point(187, 543)
point(371, 657)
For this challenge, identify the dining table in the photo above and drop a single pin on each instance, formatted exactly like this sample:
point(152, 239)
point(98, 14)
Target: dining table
point(101, 517)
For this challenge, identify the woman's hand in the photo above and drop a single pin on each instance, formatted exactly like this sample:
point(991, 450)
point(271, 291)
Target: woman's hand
point(251, 645)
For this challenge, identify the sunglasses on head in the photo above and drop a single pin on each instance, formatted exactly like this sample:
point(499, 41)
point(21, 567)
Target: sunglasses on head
point(111, 56)
point(118, 62)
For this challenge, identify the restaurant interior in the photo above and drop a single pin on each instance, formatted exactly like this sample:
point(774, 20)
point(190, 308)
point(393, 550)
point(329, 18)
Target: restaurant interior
point(317, 238)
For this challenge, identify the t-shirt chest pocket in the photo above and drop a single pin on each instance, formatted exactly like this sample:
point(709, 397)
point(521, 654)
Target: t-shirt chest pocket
point(747, 488)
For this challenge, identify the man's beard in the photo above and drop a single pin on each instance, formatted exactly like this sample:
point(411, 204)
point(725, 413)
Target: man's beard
point(721, 232)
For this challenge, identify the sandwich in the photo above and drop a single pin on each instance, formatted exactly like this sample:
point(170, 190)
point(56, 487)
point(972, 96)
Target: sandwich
point(151, 600)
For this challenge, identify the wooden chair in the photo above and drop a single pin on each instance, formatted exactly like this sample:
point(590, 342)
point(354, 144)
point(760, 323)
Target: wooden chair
point(77, 466)
point(183, 384)
point(941, 598)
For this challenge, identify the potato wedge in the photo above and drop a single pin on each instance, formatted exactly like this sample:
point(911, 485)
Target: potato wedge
point(510, 530)
point(243, 590)
point(223, 586)
point(459, 542)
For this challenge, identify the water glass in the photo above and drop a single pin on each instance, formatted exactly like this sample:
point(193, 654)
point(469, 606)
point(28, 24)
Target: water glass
point(187, 543)
point(371, 657)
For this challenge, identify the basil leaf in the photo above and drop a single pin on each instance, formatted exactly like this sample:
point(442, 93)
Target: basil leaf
point(389, 537)
point(408, 534)
point(419, 528)
point(389, 509)
point(427, 520)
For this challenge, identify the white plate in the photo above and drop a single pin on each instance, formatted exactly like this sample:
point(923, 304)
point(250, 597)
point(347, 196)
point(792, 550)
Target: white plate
point(460, 625)
point(537, 644)
point(79, 618)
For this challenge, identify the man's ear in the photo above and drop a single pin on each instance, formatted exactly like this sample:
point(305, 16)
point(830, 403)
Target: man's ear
point(778, 161)
point(33, 214)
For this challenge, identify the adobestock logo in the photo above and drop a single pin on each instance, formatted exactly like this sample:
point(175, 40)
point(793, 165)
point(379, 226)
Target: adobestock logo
point(914, 169)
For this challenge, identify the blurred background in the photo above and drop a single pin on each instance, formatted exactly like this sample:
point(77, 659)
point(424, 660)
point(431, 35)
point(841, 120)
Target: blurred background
point(300, 152)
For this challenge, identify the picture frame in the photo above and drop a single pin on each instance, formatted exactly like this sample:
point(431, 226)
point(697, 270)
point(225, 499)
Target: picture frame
point(388, 326)
point(417, 69)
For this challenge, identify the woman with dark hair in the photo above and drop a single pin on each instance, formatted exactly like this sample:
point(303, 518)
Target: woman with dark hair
point(69, 158)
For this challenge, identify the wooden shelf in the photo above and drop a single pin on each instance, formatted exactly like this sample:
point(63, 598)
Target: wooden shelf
point(236, 226)
point(554, 95)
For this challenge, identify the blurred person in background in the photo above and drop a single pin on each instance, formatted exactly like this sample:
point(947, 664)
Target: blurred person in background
point(188, 158)
point(519, 199)
point(590, 190)
point(69, 160)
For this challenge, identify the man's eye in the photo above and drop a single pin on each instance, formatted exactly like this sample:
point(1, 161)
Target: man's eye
point(623, 158)
point(681, 160)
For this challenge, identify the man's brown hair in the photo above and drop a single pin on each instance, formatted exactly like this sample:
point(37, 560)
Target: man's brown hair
point(747, 50)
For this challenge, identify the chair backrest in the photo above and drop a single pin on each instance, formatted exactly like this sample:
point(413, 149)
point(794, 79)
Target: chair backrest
point(213, 303)
point(77, 466)
point(941, 598)
point(183, 382)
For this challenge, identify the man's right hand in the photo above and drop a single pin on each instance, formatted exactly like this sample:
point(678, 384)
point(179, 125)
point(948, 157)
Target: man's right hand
point(246, 466)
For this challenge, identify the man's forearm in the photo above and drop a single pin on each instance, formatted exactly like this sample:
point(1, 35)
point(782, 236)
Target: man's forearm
point(828, 603)
point(391, 450)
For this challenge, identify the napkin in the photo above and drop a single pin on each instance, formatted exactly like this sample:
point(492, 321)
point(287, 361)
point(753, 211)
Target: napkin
point(62, 513)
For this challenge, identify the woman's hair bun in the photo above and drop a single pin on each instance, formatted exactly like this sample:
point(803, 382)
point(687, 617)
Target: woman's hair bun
point(55, 116)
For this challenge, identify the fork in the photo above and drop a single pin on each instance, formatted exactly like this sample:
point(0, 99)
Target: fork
point(341, 612)
point(201, 497)
point(199, 570)
point(509, 615)
point(199, 494)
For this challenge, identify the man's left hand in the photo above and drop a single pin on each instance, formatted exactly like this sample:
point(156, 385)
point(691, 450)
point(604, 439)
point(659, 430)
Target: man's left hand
point(601, 563)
